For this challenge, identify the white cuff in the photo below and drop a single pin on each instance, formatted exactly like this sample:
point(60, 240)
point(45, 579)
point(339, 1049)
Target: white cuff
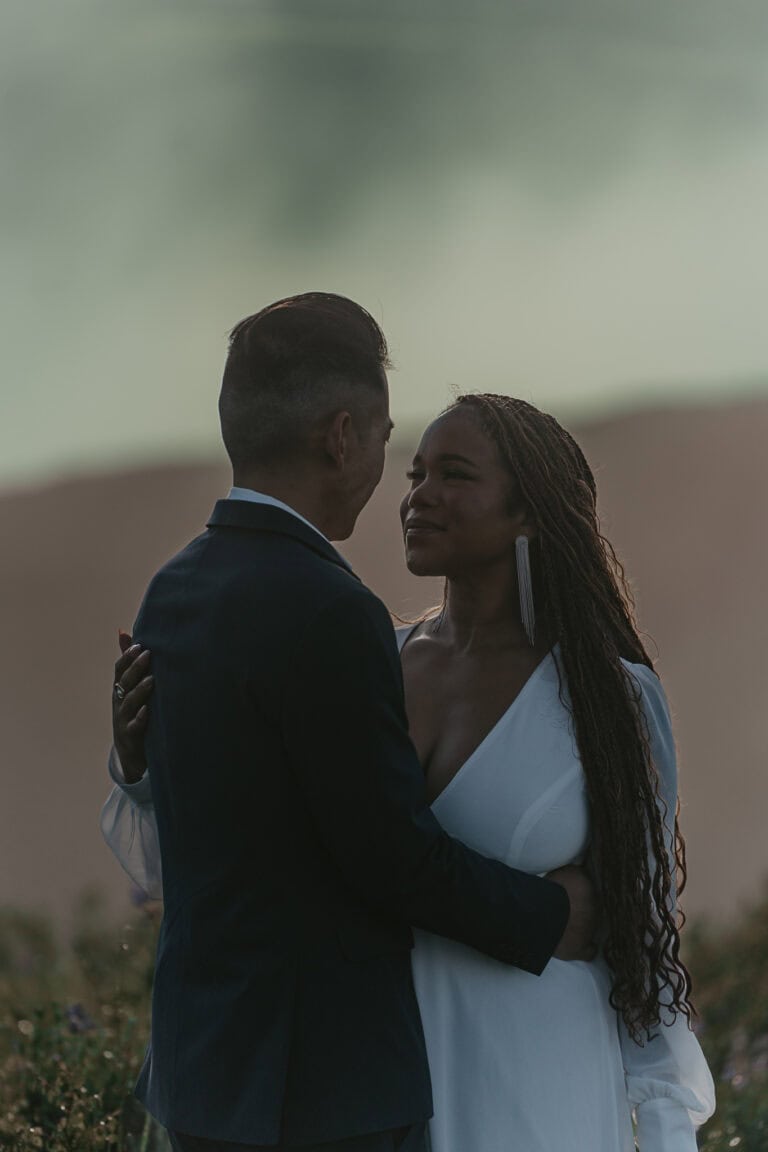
point(664, 1125)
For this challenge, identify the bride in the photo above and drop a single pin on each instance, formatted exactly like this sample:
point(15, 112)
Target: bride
point(545, 739)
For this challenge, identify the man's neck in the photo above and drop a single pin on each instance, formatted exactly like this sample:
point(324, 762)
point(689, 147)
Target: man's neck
point(295, 495)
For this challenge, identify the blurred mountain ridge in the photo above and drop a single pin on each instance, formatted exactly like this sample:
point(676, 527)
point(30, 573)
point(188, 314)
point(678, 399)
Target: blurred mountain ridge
point(682, 498)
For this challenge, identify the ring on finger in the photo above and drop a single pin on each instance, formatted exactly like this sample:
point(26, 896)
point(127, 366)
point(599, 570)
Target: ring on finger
point(119, 691)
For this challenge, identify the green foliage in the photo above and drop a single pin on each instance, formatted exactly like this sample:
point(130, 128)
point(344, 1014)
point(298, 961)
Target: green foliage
point(74, 1021)
point(730, 973)
point(741, 1120)
point(73, 1027)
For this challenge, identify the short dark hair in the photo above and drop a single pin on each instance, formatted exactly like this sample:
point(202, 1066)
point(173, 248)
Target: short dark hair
point(292, 364)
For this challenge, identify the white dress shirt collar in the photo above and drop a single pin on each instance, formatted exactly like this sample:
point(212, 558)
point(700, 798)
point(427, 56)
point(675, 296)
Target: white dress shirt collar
point(261, 498)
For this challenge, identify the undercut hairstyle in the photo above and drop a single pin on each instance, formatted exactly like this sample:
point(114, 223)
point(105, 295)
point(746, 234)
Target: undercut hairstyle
point(580, 584)
point(291, 366)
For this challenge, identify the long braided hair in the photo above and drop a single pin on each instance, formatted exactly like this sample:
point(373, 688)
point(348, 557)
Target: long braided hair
point(581, 586)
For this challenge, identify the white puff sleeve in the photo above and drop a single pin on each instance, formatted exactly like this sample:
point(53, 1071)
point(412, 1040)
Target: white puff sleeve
point(129, 827)
point(669, 1084)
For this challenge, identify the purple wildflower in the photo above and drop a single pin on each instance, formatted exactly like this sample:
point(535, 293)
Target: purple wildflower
point(78, 1019)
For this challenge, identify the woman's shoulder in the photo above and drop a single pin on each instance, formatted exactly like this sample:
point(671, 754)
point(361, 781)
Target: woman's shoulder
point(404, 631)
point(650, 687)
point(655, 708)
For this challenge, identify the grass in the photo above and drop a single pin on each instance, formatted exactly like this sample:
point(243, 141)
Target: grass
point(730, 971)
point(73, 1027)
point(74, 1021)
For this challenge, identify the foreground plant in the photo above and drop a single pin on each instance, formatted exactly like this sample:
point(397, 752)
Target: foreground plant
point(73, 1028)
point(74, 1023)
point(730, 969)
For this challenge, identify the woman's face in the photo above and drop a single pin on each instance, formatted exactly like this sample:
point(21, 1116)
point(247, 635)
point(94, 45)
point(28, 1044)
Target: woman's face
point(457, 515)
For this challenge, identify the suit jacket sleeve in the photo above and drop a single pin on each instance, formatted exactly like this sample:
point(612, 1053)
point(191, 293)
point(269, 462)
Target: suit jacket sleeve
point(346, 734)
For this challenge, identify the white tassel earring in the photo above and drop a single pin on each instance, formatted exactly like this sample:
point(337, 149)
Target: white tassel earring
point(525, 585)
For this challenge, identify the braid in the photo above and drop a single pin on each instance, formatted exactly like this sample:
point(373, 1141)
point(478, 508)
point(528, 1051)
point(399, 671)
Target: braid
point(590, 611)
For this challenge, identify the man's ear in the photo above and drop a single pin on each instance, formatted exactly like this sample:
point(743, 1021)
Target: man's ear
point(336, 440)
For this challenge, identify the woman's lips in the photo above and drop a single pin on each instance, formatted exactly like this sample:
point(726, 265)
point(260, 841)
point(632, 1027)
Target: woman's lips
point(418, 529)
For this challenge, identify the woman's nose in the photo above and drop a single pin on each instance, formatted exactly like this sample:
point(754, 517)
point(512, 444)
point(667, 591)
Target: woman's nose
point(422, 493)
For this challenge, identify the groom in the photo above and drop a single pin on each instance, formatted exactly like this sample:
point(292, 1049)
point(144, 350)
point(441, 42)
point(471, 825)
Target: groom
point(297, 846)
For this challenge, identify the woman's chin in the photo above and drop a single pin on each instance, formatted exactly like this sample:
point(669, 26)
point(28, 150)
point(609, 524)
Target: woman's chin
point(419, 565)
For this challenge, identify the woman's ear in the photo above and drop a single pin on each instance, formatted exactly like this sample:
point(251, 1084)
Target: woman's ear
point(524, 522)
point(529, 527)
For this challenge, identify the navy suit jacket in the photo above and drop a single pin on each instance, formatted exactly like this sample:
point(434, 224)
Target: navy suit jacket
point(297, 848)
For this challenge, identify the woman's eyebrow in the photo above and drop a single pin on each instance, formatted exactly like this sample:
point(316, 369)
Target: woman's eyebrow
point(449, 457)
point(454, 457)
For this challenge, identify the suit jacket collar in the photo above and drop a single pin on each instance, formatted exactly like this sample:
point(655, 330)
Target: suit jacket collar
point(266, 518)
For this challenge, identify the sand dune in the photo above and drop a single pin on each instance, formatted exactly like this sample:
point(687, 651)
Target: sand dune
point(682, 497)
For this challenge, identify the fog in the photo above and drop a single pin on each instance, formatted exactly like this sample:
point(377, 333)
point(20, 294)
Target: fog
point(563, 201)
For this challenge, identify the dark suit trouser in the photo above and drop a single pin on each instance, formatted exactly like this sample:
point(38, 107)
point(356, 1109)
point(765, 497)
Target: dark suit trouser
point(412, 1139)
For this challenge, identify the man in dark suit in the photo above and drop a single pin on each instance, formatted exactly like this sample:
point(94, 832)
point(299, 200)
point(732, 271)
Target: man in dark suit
point(296, 843)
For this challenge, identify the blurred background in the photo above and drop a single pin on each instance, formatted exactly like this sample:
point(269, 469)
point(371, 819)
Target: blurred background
point(567, 202)
point(563, 201)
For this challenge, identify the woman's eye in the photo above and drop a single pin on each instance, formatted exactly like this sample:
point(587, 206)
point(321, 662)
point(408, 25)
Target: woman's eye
point(452, 475)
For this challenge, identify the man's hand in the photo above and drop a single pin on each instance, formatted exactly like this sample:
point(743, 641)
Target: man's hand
point(578, 942)
point(131, 691)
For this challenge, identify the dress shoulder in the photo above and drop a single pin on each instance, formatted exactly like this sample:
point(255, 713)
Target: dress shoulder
point(402, 632)
point(654, 706)
point(653, 697)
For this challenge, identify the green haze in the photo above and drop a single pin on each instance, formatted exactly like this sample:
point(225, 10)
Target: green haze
point(561, 200)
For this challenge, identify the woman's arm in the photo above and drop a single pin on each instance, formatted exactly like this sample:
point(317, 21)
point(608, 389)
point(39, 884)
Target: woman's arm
point(128, 817)
point(668, 1081)
point(129, 827)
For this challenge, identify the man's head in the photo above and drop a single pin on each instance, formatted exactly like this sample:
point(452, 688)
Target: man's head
point(304, 404)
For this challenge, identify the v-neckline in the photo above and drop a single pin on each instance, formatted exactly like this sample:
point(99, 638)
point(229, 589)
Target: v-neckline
point(491, 731)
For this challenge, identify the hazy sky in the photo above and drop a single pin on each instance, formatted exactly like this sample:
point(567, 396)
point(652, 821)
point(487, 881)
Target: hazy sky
point(564, 200)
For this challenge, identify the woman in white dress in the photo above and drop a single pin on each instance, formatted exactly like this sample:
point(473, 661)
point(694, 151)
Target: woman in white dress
point(545, 738)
